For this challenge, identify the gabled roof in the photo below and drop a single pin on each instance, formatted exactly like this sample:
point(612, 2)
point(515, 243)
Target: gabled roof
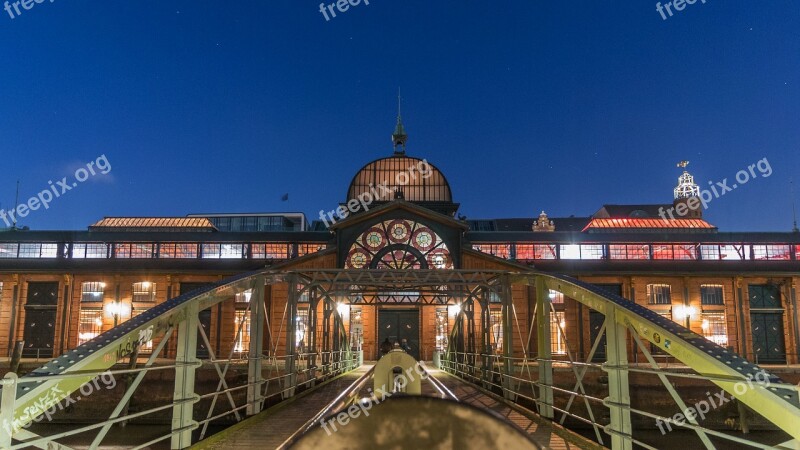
point(153, 224)
point(399, 204)
point(649, 224)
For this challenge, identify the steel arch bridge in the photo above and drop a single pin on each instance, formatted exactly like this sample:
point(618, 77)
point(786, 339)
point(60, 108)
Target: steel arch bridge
point(28, 398)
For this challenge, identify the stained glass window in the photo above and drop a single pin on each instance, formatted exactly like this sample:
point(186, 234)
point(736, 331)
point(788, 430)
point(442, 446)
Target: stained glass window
point(399, 244)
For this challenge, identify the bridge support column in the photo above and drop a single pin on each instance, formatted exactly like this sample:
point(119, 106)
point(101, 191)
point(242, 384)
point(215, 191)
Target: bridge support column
point(291, 346)
point(544, 349)
point(507, 315)
point(7, 407)
point(619, 398)
point(184, 396)
point(256, 351)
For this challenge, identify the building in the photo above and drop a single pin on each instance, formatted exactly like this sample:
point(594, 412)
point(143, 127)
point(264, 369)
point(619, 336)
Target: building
point(59, 289)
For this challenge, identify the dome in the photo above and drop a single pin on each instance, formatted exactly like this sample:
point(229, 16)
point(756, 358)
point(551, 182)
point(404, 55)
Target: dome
point(418, 180)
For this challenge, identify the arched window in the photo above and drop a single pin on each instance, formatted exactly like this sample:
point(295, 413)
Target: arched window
point(399, 244)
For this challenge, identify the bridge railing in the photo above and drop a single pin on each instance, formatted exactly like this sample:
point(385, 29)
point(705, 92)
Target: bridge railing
point(598, 396)
point(182, 390)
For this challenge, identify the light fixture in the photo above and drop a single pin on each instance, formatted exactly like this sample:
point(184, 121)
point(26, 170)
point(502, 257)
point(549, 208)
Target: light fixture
point(552, 294)
point(682, 312)
point(146, 284)
point(454, 310)
point(343, 308)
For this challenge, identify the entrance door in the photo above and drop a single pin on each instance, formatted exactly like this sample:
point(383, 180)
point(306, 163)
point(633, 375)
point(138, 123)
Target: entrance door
point(40, 319)
point(768, 343)
point(766, 321)
point(399, 324)
point(205, 320)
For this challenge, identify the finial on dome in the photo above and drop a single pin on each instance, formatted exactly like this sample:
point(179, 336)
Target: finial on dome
point(399, 137)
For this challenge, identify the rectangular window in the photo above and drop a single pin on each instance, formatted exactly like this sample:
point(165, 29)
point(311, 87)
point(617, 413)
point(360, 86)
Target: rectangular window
point(498, 250)
point(442, 329)
point(731, 252)
point(659, 294)
point(92, 291)
point(685, 252)
point(135, 250)
point(711, 294)
point(592, 251)
point(38, 251)
point(301, 326)
point(714, 328)
point(772, 252)
point(662, 251)
point(242, 331)
point(307, 249)
point(90, 324)
point(710, 252)
point(571, 251)
point(178, 251)
point(146, 347)
point(223, 251)
point(496, 324)
point(8, 250)
point(270, 251)
point(544, 251)
point(633, 251)
point(558, 344)
point(556, 297)
point(144, 292)
point(94, 250)
point(244, 297)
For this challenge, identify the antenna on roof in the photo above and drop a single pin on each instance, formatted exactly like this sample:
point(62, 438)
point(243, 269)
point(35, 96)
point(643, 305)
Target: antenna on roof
point(794, 206)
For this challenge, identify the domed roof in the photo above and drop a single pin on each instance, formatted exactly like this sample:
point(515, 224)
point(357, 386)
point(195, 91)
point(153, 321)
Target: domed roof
point(418, 180)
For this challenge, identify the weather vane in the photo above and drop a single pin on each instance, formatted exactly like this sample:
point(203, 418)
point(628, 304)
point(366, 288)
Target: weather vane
point(683, 164)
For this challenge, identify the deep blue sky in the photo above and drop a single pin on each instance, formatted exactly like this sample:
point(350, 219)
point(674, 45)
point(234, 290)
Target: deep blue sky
point(525, 105)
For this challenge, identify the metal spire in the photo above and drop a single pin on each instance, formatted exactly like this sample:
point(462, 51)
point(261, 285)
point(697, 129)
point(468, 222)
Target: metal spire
point(399, 137)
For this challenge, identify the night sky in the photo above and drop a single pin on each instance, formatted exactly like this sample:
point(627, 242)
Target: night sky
point(226, 106)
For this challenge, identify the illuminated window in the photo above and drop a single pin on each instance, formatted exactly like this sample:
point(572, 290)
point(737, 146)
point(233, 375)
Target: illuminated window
point(38, 250)
point(242, 343)
point(223, 251)
point(244, 297)
point(772, 252)
point(126, 250)
point(634, 251)
point(496, 326)
point(556, 297)
point(593, 251)
point(178, 251)
point(731, 252)
point(499, 250)
point(442, 329)
point(356, 328)
point(144, 291)
point(90, 251)
point(301, 326)
point(145, 347)
point(307, 249)
point(711, 294)
point(685, 251)
point(570, 251)
point(659, 294)
point(662, 251)
point(399, 244)
point(710, 252)
point(558, 345)
point(270, 251)
point(8, 250)
point(544, 251)
point(92, 291)
point(90, 324)
point(714, 328)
